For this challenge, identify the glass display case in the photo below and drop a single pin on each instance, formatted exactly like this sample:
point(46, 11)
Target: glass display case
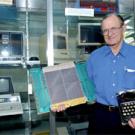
point(22, 23)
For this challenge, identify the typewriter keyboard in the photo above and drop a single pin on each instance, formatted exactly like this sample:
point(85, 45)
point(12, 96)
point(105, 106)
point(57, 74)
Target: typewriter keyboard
point(128, 110)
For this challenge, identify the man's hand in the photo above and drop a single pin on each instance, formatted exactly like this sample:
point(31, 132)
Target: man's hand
point(131, 123)
point(60, 108)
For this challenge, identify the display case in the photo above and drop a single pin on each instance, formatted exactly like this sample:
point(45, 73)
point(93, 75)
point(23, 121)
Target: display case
point(21, 25)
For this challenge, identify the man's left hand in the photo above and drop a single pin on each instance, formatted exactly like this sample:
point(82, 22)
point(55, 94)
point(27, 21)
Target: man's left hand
point(131, 123)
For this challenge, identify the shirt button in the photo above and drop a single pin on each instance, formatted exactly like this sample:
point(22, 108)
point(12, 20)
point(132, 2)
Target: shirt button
point(114, 72)
point(114, 61)
point(113, 84)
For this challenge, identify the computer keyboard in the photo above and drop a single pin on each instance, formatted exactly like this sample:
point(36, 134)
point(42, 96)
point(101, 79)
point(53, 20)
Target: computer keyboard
point(126, 102)
point(10, 104)
point(128, 110)
point(11, 60)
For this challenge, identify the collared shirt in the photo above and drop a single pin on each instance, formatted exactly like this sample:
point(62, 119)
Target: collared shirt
point(111, 73)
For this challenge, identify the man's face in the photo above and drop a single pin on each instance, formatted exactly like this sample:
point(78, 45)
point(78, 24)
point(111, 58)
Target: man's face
point(112, 30)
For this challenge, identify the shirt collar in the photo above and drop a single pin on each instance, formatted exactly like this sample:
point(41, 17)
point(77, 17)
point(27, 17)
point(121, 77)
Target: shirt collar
point(123, 50)
point(107, 50)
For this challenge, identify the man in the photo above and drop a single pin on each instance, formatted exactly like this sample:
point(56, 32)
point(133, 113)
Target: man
point(107, 67)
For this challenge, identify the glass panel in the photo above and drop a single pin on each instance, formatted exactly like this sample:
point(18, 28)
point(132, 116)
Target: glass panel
point(64, 33)
point(28, 17)
point(126, 9)
point(37, 35)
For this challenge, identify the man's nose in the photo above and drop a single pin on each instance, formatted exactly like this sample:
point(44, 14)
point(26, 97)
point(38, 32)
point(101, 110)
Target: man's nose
point(109, 32)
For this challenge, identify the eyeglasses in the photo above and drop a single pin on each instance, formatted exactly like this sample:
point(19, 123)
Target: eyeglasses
point(112, 30)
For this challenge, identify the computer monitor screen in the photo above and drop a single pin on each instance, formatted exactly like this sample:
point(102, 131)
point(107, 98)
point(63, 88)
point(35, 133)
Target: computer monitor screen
point(6, 86)
point(90, 34)
point(59, 41)
point(60, 45)
point(11, 44)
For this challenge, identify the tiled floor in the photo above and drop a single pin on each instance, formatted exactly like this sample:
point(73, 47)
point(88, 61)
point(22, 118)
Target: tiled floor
point(42, 127)
point(42, 124)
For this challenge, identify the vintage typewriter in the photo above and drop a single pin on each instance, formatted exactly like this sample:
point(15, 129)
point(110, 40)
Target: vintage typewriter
point(126, 102)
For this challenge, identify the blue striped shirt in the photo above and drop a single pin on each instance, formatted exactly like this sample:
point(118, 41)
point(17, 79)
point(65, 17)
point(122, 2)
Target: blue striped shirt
point(111, 73)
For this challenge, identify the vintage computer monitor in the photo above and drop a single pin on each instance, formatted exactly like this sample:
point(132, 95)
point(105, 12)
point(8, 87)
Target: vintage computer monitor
point(89, 34)
point(10, 102)
point(11, 47)
point(6, 86)
point(60, 46)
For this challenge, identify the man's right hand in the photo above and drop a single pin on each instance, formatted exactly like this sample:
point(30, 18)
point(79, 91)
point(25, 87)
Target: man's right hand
point(60, 108)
